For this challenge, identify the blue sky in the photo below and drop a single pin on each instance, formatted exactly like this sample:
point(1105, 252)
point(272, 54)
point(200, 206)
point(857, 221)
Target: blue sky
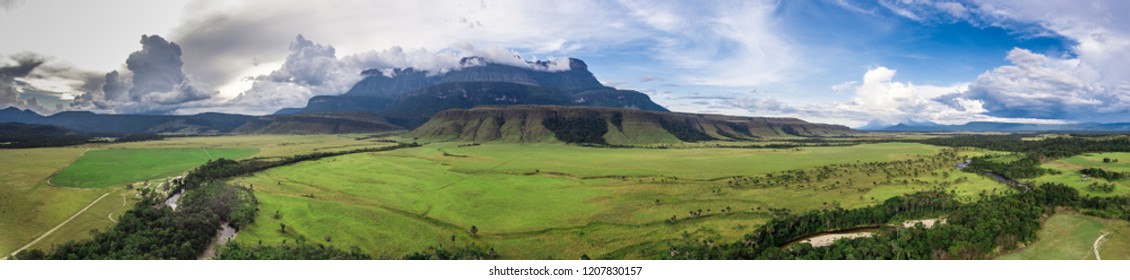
point(835, 61)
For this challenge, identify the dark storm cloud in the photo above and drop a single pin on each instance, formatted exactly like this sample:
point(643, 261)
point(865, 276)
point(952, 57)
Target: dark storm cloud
point(156, 67)
point(115, 86)
point(154, 83)
point(25, 63)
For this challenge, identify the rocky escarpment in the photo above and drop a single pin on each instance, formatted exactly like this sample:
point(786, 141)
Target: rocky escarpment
point(608, 126)
point(408, 97)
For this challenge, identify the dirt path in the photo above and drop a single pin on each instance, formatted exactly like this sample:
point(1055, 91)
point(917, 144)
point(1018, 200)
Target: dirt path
point(207, 153)
point(49, 232)
point(1098, 242)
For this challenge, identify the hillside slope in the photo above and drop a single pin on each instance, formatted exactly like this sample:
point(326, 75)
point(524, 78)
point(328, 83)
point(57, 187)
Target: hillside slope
point(614, 126)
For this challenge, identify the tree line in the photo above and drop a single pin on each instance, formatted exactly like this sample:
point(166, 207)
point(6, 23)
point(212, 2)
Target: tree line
point(977, 230)
point(1023, 168)
point(1103, 173)
point(1048, 148)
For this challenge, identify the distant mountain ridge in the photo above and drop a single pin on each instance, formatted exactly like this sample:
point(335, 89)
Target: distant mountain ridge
point(617, 126)
point(203, 124)
point(1006, 127)
point(408, 97)
point(82, 121)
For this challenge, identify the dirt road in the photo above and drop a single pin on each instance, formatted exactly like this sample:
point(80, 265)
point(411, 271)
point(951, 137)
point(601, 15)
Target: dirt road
point(49, 232)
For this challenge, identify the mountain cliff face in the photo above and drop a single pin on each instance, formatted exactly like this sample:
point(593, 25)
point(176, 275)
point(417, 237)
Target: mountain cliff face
point(377, 84)
point(607, 126)
point(414, 108)
point(409, 97)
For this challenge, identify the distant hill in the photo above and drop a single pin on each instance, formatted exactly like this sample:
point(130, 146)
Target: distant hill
point(409, 97)
point(1007, 127)
point(318, 123)
point(82, 121)
point(21, 135)
point(615, 126)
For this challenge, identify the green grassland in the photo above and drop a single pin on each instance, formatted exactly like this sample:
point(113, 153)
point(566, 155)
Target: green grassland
point(100, 168)
point(545, 201)
point(29, 206)
point(683, 163)
point(1069, 172)
point(269, 146)
point(1072, 236)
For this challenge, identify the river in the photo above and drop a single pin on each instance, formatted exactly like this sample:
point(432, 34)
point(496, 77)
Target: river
point(225, 234)
point(172, 200)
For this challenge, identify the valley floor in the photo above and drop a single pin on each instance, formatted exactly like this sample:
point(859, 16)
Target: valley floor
point(545, 201)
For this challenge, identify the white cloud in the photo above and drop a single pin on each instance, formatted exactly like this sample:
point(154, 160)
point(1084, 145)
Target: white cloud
point(1035, 85)
point(728, 43)
point(312, 69)
point(880, 97)
point(221, 42)
point(844, 87)
point(1091, 83)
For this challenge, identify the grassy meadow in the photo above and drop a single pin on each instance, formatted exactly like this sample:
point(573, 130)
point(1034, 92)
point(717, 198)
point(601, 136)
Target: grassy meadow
point(545, 201)
point(100, 168)
point(528, 201)
point(1069, 172)
point(1072, 237)
point(29, 206)
point(269, 146)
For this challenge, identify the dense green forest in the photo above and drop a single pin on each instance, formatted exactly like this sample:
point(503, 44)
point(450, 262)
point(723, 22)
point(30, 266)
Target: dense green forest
point(1103, 173)
point(1024, 168)
point(148, 232)
point(18, 135)
point(1048, 148)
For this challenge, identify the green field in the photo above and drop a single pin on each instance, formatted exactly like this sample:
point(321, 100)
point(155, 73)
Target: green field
point(546, 201)
point(269, 146)
point(1072, 237)
point(100, 168)
point(1069, 168)
point(29, 206)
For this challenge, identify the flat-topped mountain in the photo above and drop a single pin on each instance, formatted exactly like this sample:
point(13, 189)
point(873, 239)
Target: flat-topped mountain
point(616, 126)
point(408, 97)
